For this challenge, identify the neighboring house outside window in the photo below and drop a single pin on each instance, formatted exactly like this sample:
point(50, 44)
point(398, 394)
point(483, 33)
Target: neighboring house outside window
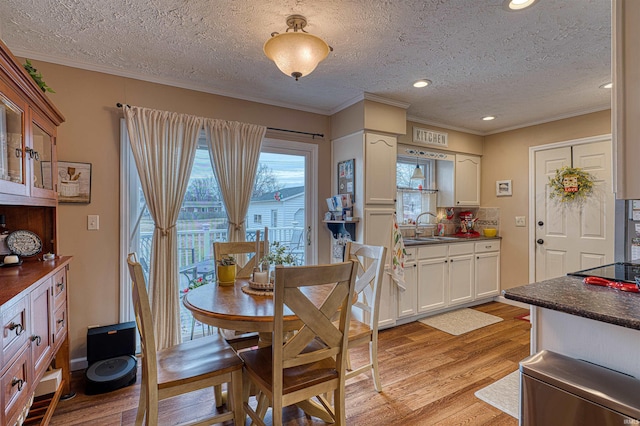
point(257, 219)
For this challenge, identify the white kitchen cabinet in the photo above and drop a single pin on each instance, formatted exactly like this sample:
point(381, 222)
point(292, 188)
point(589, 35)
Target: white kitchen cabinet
point(461, 273)
point(380, 154)
point(433, 277)
point(377, 232)
point(487, 270)
point(407, 301)
point(626, 97)
point(467, 181)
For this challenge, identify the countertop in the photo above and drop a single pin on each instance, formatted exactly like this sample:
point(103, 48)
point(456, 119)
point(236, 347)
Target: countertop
point(570, 295)
point(448, 239)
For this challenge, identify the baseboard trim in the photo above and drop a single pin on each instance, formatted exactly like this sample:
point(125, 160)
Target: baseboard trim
point(78, 364)
point(503, 299)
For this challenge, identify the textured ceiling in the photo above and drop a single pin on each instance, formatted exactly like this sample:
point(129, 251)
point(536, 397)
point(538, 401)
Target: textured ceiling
point(526, 67)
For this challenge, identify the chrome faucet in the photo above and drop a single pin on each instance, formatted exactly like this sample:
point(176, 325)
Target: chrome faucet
point(418, 222)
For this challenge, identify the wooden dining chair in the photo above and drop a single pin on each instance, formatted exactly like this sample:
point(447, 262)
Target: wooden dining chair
point(251, 251)
point(363, 329)
point(184, 368)
point(312, 361)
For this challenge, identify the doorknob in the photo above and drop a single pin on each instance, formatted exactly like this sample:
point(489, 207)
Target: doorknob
point(540, 241)
point(540, 223)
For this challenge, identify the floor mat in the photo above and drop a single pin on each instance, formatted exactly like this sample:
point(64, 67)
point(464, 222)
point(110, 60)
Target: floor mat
point(460, 321)
point(524, 317)
point(503, 394)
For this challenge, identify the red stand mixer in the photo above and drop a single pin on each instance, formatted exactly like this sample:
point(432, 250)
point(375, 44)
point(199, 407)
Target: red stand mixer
point(467, 223)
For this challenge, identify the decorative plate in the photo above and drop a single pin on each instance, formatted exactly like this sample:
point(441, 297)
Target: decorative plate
point(261, 286)
point(24, 243)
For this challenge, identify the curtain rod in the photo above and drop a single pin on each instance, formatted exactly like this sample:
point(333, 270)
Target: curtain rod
point(313, 135)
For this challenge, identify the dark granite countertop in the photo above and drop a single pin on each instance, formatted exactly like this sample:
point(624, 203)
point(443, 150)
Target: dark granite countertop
point(447, 239)
point(570, 295)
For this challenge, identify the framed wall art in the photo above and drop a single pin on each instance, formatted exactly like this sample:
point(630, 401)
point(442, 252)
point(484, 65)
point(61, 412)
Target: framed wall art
point(346, 178)
point(74, 182)
point(503, 188)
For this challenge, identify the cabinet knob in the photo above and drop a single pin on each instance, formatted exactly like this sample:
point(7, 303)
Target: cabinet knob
point(18, 382)
point(36, 339)
point(18, 328)
point(60, 285)
point(540, 241)
point(540, 223)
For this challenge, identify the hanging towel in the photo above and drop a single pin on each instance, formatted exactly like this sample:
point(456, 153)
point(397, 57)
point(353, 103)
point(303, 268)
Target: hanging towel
point(395, 266)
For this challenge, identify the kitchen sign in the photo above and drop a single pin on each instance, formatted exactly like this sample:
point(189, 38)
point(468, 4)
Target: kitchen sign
point(430, 137)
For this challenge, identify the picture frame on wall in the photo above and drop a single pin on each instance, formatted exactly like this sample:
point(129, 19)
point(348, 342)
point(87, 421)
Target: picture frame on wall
point(74, 182)
point(347, 178)
point(503, 188)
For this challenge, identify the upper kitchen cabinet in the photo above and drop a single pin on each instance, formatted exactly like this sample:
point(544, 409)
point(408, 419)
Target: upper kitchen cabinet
point(28, 122)
point(467, 180)
point(626, 97)
point(380, 168)
point(458, 181)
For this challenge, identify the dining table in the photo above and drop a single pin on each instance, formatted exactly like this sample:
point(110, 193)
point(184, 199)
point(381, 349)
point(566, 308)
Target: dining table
point(231, 308)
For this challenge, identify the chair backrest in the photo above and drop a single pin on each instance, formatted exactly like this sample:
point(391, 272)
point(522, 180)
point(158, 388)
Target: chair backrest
point(246, 253)
point(330, 340)
point(144, 320)
point(370, 260)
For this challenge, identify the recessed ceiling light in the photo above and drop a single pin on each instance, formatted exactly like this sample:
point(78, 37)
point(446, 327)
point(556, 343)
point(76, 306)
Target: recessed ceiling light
point(517, 4)
point(606, 86)
point(489, 118)
point(422, 83)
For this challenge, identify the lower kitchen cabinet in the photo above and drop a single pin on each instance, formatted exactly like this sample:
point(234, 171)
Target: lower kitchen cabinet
point(407, 301)
point(442, 276)
point(461, 274)
point(487, 269)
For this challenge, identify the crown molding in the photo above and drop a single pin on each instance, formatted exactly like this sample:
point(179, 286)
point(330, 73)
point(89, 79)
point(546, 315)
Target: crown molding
point(444, 126)
point(369, 97)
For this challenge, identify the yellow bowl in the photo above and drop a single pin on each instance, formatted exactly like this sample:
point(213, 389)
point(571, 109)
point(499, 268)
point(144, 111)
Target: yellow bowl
point(490, 232)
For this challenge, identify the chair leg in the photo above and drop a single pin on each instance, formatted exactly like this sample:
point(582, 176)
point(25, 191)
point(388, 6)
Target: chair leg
point(142, 404)
point(348, 361)
point(373, 358)
point(235, 398)
point(193, 326)
point(339, 406)
point(263, 405)
point(217, 392)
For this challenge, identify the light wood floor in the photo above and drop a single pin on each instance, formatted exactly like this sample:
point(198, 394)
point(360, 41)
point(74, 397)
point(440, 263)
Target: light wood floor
point(429, 378)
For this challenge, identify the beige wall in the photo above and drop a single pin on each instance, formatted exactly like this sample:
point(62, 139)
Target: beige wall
point(506, 156)
point(91, 134)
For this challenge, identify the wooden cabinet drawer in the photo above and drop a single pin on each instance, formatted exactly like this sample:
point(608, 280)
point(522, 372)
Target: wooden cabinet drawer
point(436, 250)
point(59, 325)
point(15, 387)
point(460, 248)
point(485, 246)
point(14, 329)
point(60, 287)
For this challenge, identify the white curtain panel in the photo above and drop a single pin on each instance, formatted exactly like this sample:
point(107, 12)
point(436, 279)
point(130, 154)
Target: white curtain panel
point(234, 150)
point(164, 146)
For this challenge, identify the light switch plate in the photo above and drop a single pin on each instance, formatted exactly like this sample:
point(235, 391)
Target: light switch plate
point(521, 221)
point(93, 222)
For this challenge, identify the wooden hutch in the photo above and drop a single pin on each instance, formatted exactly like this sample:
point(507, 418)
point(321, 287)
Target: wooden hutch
point(33, 295)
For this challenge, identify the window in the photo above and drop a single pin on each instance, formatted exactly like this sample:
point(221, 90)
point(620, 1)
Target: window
point(414, 196)
point(286, 170)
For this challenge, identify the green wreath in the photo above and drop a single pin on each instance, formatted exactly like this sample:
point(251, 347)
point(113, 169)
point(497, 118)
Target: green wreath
point(571, 184)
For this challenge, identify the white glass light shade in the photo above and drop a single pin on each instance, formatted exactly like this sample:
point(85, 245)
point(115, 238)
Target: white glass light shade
point(417, 173)
point(296, 54)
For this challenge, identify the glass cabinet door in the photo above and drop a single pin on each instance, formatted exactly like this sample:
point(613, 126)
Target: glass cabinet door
point(11, 142)
point(41, 157)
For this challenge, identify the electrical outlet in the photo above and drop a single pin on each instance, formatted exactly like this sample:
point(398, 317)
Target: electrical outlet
point(521, 221)
point(93, 222)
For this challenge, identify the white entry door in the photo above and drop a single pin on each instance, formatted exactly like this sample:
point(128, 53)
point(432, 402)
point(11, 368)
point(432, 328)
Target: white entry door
point(571, 238)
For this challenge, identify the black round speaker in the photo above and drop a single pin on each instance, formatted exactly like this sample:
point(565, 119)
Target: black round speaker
point(111, 374)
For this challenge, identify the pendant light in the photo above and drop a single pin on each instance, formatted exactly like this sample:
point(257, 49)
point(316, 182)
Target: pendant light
point(296, 53)
point(417, 172)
